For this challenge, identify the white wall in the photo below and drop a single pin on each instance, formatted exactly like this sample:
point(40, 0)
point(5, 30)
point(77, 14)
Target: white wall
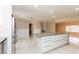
point(5, 25)
point(36, 27)
point(48, 26)
point(22, 29)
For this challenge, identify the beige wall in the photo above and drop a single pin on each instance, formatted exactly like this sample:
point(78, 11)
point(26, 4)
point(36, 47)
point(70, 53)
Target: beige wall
point(36, 27)
point(60, 27)
point(21, 24)
point(50, 27)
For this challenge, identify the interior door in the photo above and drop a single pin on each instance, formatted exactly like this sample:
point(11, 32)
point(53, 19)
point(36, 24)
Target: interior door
point(30, 29)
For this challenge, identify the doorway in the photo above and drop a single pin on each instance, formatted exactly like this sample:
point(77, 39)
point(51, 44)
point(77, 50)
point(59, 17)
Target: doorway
point(30, 29)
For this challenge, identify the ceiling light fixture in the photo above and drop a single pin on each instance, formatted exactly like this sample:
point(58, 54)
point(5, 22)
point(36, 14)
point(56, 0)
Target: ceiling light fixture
point(35, 6)
point(51, 11)
point(76, 9)
point(54, 16)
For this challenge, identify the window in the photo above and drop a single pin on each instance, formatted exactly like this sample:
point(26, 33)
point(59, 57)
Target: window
point(72, 28)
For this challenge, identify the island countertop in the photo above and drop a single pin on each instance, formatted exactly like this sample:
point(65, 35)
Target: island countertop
point(47, 34)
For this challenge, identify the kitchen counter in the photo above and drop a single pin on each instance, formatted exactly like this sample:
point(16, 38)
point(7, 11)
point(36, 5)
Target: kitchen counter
point(47, 34)
point(48, 41)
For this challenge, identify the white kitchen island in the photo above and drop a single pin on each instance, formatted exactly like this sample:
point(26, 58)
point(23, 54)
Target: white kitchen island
point(47, 42)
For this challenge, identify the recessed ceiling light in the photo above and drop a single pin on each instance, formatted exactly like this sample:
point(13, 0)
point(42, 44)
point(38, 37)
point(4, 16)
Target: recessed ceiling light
point(51, 11)
point(54, 16)
point(35, 6)
point(76, 9)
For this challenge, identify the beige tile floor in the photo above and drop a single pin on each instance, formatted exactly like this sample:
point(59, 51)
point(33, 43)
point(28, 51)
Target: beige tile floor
point(28, 46)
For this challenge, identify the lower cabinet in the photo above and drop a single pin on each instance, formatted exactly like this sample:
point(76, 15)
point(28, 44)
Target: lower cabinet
point(51, 42)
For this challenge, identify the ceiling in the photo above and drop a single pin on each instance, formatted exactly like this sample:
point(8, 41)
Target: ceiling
point(45, 12)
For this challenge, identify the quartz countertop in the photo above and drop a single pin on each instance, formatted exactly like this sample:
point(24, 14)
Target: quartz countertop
point(47, 34)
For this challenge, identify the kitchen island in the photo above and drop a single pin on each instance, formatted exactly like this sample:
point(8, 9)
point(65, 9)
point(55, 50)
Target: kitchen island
point(49, 41)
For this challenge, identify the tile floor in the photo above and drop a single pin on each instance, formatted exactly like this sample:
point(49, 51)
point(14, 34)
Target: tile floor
point(28, 46)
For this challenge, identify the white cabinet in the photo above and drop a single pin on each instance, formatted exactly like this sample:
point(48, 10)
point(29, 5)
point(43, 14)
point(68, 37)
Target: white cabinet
point(51, 42)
